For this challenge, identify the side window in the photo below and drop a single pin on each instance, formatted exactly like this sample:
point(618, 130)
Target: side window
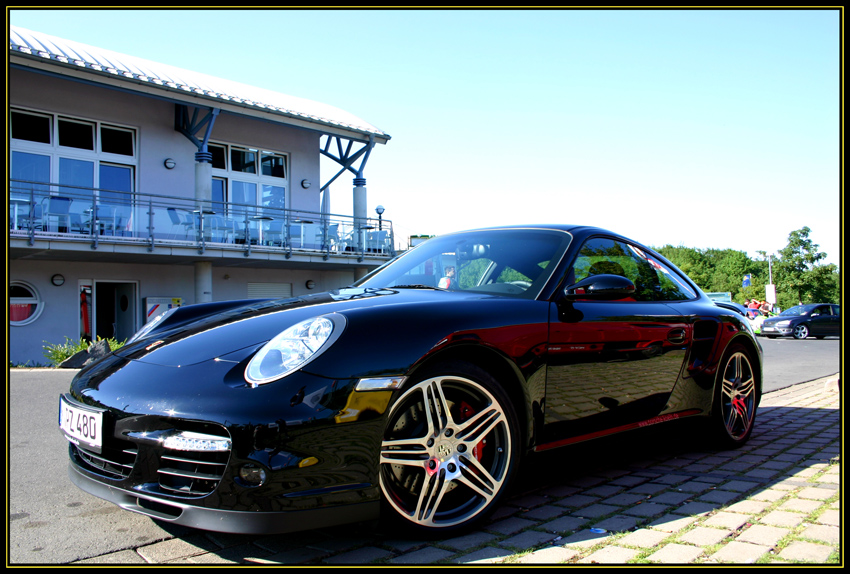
point(836, 310)
point(673, 286)
point(653, 280)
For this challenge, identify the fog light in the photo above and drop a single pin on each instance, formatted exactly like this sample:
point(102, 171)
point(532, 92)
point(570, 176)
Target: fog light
point(253, 475)
point(192, 441)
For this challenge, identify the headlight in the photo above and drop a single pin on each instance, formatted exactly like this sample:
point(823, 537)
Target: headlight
point(294, 348)
point(782, 324)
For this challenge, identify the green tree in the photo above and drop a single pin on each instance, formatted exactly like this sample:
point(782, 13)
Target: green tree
point(691, 262)
point(800, 277)
point(718, 270)
point(797, 271)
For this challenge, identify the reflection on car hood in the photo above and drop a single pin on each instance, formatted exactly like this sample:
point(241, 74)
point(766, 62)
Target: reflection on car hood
point(251, 326)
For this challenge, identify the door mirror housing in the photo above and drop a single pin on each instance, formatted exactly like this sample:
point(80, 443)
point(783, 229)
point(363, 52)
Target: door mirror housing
point(603, 287)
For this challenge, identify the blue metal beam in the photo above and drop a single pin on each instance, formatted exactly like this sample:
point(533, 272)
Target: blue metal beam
point(346, 158)
point(191, 127)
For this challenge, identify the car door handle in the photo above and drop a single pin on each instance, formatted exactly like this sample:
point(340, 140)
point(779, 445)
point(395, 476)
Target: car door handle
point(676, 336)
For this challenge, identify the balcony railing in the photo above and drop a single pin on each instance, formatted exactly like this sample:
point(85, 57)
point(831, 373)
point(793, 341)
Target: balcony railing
point(48, 210)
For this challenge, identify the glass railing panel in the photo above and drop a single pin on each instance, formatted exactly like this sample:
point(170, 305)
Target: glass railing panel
point(37, 208)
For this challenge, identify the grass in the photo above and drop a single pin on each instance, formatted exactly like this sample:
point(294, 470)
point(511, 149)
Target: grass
point(58, 352)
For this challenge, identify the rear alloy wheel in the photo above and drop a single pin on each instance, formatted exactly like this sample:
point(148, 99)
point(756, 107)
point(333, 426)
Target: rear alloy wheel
point(736, 399)
point(448, 450)
point(801, 331)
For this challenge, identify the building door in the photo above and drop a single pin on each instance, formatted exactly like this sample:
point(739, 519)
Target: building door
point(114, 310)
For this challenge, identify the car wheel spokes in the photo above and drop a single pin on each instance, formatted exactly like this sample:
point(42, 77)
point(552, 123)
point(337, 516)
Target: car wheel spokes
point(436, 407)
point(404, 452)
point(739, 388)
point(478, 478)
point(445, 453)
point(430, 497)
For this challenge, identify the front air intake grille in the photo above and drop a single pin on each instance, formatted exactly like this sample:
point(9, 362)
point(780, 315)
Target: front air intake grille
point(191, 474)
point(116, 463)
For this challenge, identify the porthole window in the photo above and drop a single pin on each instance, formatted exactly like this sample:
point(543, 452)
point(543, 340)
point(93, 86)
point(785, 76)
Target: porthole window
point(25, 304)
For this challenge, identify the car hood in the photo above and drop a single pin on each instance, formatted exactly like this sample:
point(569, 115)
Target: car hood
point(779, 318)
point(250, 326)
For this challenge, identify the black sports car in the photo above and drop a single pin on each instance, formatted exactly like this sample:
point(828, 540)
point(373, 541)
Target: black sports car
point(818, 320)
point(419, 388)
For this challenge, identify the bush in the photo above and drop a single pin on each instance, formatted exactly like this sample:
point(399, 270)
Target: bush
point(56, 353)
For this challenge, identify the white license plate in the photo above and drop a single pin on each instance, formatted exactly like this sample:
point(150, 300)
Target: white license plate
point(82, 426)
point(768, 329)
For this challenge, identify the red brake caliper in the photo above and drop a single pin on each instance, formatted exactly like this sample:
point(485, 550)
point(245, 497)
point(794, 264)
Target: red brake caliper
point(466, 413)
point(739, 405)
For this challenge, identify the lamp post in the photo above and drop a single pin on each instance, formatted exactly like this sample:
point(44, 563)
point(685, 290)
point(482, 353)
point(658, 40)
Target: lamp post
point(380, 211)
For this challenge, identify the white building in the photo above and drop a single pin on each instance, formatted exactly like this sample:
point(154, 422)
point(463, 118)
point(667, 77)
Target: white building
point(134, 185)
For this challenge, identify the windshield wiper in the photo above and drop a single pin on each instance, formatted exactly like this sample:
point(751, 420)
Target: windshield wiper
point(417, 286)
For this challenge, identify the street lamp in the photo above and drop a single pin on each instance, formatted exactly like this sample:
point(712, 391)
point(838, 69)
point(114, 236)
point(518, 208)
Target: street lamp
point(380, 211)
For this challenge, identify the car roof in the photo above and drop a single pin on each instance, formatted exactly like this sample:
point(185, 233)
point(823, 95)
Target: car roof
point(570, 228)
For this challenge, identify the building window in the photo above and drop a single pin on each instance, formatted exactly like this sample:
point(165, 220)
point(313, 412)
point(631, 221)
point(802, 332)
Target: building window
point(219, 156)
point(31, 127)
point(247, 176)
point(76, 134)
point(25, 304)
point(273, 165)
point(85, 160)
point(117, 140)
point(243, 160)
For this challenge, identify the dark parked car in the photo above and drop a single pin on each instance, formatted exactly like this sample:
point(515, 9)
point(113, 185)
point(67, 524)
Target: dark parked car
point(274, 416)
point(818, 320)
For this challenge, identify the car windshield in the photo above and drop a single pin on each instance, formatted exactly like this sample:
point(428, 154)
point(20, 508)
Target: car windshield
point(509, 262)
point(798, 310)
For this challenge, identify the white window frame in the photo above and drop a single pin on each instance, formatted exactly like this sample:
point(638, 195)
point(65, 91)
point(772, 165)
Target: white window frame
point(258, 179)
point(56, 151)
point(36, 300)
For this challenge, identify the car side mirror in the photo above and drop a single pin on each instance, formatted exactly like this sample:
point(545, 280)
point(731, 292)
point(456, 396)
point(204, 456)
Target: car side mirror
point(601, 287)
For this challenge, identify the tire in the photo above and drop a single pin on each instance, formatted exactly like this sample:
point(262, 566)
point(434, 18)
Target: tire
point(449, 450)
point(801, 331)
point(736, 397)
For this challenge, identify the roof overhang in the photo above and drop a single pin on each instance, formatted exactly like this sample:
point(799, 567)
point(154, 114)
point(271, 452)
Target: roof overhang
point(188, 89)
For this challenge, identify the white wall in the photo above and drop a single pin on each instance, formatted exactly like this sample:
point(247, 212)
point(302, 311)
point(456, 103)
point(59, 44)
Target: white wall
point(61, 312)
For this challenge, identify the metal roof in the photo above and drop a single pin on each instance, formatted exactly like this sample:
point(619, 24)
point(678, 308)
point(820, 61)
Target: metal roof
point(142, 75)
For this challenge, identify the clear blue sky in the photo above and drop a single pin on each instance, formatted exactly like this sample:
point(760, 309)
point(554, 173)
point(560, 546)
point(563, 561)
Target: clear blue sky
point(703, 128)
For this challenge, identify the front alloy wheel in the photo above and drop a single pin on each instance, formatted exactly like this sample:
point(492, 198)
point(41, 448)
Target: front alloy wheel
point(801, 332)
point(448, 450)
point(737, 398)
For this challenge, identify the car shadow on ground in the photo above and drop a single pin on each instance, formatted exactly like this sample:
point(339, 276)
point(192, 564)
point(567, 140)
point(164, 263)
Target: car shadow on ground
point(659, 474)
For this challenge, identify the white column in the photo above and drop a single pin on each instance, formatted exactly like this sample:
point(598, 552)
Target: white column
point(203, 282)
point(203, 197)
point(203, 184)
point(360, 210)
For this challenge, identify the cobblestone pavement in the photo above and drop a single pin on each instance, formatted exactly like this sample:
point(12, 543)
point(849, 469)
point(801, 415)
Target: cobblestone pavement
point(634, 500)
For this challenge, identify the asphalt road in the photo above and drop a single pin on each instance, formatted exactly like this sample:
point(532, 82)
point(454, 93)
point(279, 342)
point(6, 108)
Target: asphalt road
point(788, 361)
point(53, 522)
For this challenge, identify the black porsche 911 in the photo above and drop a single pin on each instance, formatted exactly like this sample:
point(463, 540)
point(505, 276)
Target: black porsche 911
point(415, 391)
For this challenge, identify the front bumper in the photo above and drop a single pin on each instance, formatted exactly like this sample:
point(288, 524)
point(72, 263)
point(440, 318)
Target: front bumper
point(230, 521)
point(317, 446)
point(773, 331)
